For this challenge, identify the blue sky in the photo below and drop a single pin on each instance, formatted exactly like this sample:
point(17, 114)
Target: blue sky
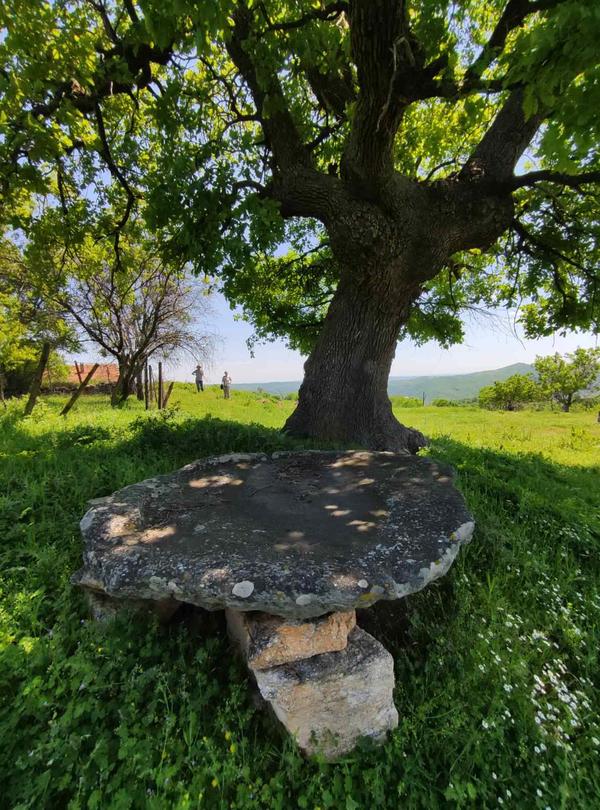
point(491, 342)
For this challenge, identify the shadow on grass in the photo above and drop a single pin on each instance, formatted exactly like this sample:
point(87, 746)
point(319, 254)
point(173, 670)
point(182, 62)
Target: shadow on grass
point(88, 708)
point(48, 478)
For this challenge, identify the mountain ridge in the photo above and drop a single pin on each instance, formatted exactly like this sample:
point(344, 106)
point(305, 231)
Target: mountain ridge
point(433, 386)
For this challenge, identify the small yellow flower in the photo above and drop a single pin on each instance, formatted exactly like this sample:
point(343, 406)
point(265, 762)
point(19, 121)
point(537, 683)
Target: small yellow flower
point(228, 735)
point(233, 748)
point(215, 783)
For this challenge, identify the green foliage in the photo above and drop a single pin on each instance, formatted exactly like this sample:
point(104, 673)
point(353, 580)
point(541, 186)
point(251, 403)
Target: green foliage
point(441, 403)
point(142, 107)
point(18, 378)
point(562, 378)
point(27, 319)
point(511, 393)
point(15, 346)
point(406, 402)
point(496, 663)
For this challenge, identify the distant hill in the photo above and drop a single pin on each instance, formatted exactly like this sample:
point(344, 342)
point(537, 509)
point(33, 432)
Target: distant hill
point(449, 386)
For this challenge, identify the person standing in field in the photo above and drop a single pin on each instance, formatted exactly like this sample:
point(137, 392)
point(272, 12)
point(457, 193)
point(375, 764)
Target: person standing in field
point(226, 385)
point(199, 374)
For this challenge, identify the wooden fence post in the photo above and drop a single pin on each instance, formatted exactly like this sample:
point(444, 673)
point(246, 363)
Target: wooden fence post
point(168, 394)
point(146, 393)
point(160, 386)
point(82, 386)
point(139, 386)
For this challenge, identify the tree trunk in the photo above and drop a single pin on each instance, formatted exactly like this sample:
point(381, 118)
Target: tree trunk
point(146, 386)
point(124, 385)
point(36, 383)
point(344, 397)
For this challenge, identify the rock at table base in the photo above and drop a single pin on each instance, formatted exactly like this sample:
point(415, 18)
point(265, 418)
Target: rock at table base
point(306, 536)
point(328, 702)
point(267, 641)
point(105, 608)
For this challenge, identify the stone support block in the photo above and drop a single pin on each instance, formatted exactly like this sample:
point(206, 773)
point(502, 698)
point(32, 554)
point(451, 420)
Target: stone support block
point(267, 641)
point(328, 702)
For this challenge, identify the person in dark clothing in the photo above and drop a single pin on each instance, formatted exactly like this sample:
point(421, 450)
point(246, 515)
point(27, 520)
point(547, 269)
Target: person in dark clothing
point(199, 375)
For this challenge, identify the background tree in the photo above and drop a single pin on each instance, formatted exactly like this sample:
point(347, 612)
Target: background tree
point(563, 378)
point(32, 329)
point(510, 394)
point(380, 141)
point(147, 307)
point(15, 349)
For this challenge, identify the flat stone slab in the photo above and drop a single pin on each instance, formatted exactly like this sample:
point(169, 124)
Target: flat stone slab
point(267, 641)
point(330, 701)
point(295, 534)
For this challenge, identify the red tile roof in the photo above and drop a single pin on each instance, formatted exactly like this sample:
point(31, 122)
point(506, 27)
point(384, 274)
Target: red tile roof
point(105, 373)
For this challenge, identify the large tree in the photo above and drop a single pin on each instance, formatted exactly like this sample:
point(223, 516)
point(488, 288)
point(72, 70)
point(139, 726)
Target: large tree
point(563, 378)
point(385, 142)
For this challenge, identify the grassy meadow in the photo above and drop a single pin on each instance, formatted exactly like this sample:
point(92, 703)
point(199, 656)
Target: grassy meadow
point(497, 663)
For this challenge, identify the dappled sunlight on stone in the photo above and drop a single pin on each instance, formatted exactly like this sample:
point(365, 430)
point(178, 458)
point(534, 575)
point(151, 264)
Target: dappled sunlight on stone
point(362, 525)
point(299, 534)
point(215, 481)
point(119, 526)
point(217, 574)
point(153, 535)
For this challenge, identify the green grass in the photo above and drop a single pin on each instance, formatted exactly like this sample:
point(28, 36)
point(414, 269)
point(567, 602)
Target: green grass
point(497, 663)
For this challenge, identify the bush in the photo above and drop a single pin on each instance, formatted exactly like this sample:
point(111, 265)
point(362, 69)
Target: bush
point(406, 402)
point(442, 403)
point(510, 394)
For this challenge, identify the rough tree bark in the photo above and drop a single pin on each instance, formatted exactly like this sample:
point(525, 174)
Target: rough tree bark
point(125, 383)
point(386, 250)
point(343, 397)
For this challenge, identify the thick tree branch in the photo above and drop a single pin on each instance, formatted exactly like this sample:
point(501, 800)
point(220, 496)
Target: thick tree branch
point(387, 57)
point(504, 142)
point(333, 90)
point(130, 8)
point(120, 177)
point(278, 125)
point(249, 184)
point(300, 189)
point(106, 21)
point(328, 13)
point(548, 176)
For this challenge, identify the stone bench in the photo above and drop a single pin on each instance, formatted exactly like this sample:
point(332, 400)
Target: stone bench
point(289, 545)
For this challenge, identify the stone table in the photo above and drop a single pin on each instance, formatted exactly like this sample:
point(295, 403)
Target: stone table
point(289, 544)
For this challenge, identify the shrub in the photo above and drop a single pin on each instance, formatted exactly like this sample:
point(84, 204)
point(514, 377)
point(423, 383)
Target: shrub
point(510, 394)
point(406, 402)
